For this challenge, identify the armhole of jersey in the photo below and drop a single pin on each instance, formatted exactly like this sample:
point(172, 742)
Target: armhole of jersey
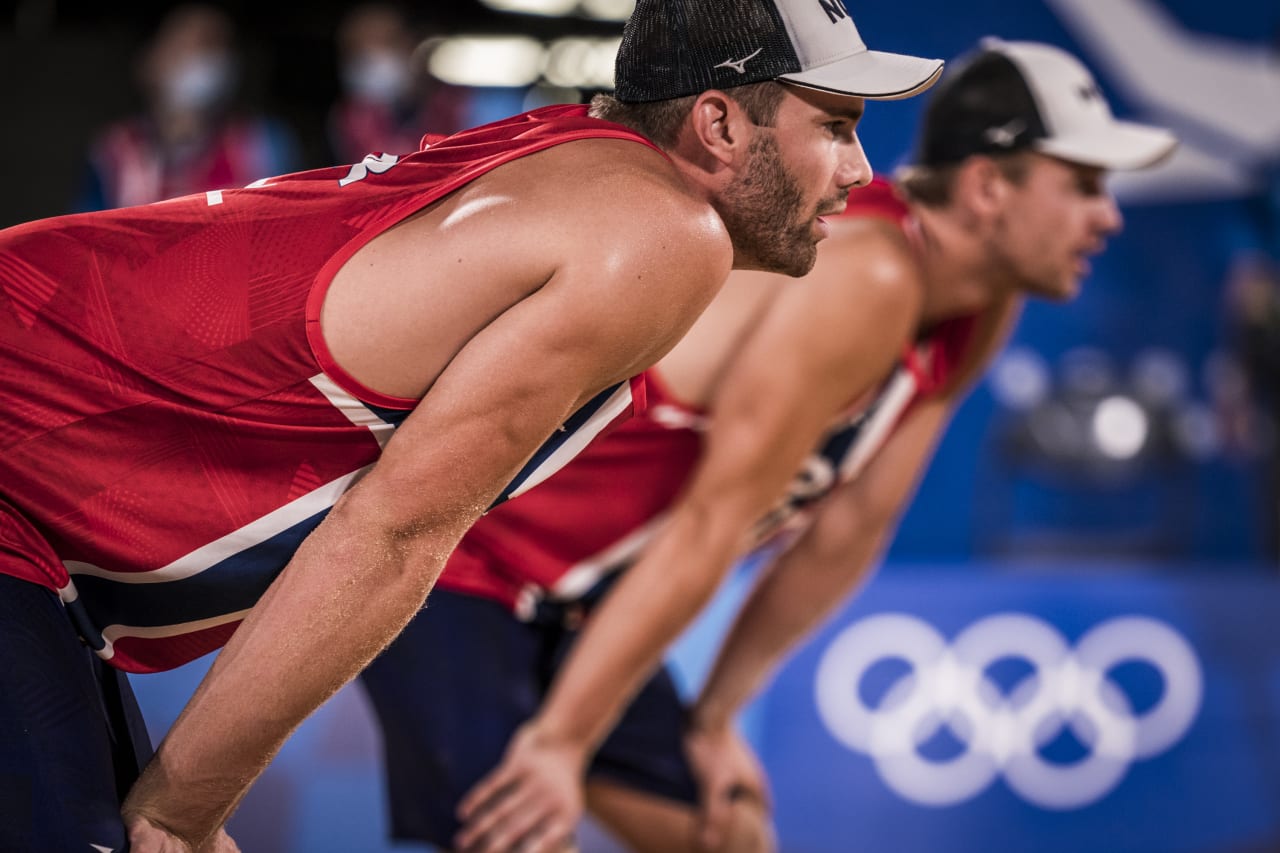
point(662, 393)
point(315, 336)
point(639, 394)
point(320, 287)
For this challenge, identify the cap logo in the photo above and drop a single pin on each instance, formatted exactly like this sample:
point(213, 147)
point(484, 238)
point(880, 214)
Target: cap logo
point(1089, 92)
point(1006, 134)
point(835, 10)
point(739, 65)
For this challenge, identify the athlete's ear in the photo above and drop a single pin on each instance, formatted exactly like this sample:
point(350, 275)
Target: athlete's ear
point(720, 126)
point(981, 186)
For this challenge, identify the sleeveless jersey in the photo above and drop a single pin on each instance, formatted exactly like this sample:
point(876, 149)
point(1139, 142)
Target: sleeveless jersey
point(171, 422)
point(594, 517)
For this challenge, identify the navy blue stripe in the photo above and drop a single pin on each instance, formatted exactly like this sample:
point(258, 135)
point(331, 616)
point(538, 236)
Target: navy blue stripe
point(835, 449)
point(395, 417)
point(839, 443)
point(576, 421)
point(228, 586)
point(84, 625)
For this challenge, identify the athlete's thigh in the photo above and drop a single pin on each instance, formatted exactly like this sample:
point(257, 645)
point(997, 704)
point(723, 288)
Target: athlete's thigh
point(71, 737)
point(449, 693)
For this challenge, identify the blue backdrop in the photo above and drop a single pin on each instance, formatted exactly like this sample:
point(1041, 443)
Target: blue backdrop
point(1184, 536)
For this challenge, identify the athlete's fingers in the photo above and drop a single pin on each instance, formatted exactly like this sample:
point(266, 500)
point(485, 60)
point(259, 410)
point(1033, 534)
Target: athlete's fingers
point(553, 836)
point(517, 805)
point(488, 789)
point(521, 820)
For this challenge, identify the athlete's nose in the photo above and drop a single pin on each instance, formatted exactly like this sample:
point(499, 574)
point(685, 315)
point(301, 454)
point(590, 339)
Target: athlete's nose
point(855, 170)
point(1110, 220)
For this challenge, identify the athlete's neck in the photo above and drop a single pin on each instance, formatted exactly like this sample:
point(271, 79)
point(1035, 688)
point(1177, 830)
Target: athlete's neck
point(959, 275)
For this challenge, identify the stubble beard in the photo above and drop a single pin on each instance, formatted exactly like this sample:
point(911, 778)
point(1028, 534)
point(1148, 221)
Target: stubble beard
point(763, 210)
point(1050, 283)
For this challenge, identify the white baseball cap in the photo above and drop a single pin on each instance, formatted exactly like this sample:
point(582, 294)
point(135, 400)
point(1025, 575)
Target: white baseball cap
point(1015, 95)
point(673, 48)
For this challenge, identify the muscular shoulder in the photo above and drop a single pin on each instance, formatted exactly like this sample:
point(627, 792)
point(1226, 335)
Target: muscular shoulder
point(624, 197)
point(866, 277)
point(619, 213)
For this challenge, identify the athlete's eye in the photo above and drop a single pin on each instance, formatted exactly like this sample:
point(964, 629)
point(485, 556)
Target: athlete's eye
point(1092, 183)
point(841, 129)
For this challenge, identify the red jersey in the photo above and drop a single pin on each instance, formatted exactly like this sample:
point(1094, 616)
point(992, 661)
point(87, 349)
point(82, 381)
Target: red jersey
point(595, 516)
point(173, 425)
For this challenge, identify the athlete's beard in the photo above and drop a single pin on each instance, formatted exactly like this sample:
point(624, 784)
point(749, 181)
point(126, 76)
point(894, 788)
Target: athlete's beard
point(1022, 275)
point(763, 210)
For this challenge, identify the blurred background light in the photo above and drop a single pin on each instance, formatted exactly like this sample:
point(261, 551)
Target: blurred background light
point(608, 10)
point(510, 61)
point(583, 63)
point(1120, 428)
point(1020, 378)
point(533, 7)
point(600, 10)
point(1159, 377)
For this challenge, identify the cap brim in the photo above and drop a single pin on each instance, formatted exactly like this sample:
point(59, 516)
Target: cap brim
point(1118, 145)
point(871, 74)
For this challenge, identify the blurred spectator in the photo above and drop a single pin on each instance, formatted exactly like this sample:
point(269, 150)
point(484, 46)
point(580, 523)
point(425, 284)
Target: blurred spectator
point(1254, 302)
point(389, 98)
point(188, 139)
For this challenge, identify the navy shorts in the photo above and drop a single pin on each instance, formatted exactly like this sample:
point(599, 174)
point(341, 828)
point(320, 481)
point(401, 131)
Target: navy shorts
point(72, 740)
point(454, 687)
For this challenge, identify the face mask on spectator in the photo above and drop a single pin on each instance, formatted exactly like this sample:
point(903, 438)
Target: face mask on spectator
point(379, 76)
point(199, 82)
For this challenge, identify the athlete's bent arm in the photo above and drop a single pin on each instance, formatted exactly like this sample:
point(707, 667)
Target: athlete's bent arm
point(819, 343)
point(365, 571)
point(825, 565)
point(832, 556)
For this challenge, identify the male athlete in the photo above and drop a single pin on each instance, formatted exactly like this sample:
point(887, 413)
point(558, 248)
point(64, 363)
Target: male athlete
point(848, 378)
point(264, 416)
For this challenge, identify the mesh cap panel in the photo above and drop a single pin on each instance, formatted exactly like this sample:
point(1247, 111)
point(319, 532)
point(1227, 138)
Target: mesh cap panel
point(673, 48)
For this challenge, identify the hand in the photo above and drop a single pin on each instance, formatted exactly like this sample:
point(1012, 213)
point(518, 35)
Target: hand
point(531, 802)
point(726, 769)
point(147, 837)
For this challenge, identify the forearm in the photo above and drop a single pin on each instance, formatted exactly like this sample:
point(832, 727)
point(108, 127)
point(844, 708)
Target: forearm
point(793, 595)
point(626, 636)
point(339, 601)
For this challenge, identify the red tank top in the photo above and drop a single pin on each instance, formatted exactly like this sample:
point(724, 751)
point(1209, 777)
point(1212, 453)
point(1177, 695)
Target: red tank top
point(595, 516)
point(172, 422)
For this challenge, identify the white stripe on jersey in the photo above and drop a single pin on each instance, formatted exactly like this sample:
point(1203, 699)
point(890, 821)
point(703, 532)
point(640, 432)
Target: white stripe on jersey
point(115, 632)
point(356, 412)
point(619, 401)
point(893, 402)
point(584, 575)
point(254, 533)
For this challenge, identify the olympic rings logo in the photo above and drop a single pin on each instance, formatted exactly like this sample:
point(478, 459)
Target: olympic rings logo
point(1003, 733)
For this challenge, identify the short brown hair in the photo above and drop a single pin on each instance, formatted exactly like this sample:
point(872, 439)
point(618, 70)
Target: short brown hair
point(932, 186)
point(660, 121)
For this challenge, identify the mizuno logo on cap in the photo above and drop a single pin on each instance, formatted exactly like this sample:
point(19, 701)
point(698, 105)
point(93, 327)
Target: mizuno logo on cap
point(739, 65)
point(1006, 134)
